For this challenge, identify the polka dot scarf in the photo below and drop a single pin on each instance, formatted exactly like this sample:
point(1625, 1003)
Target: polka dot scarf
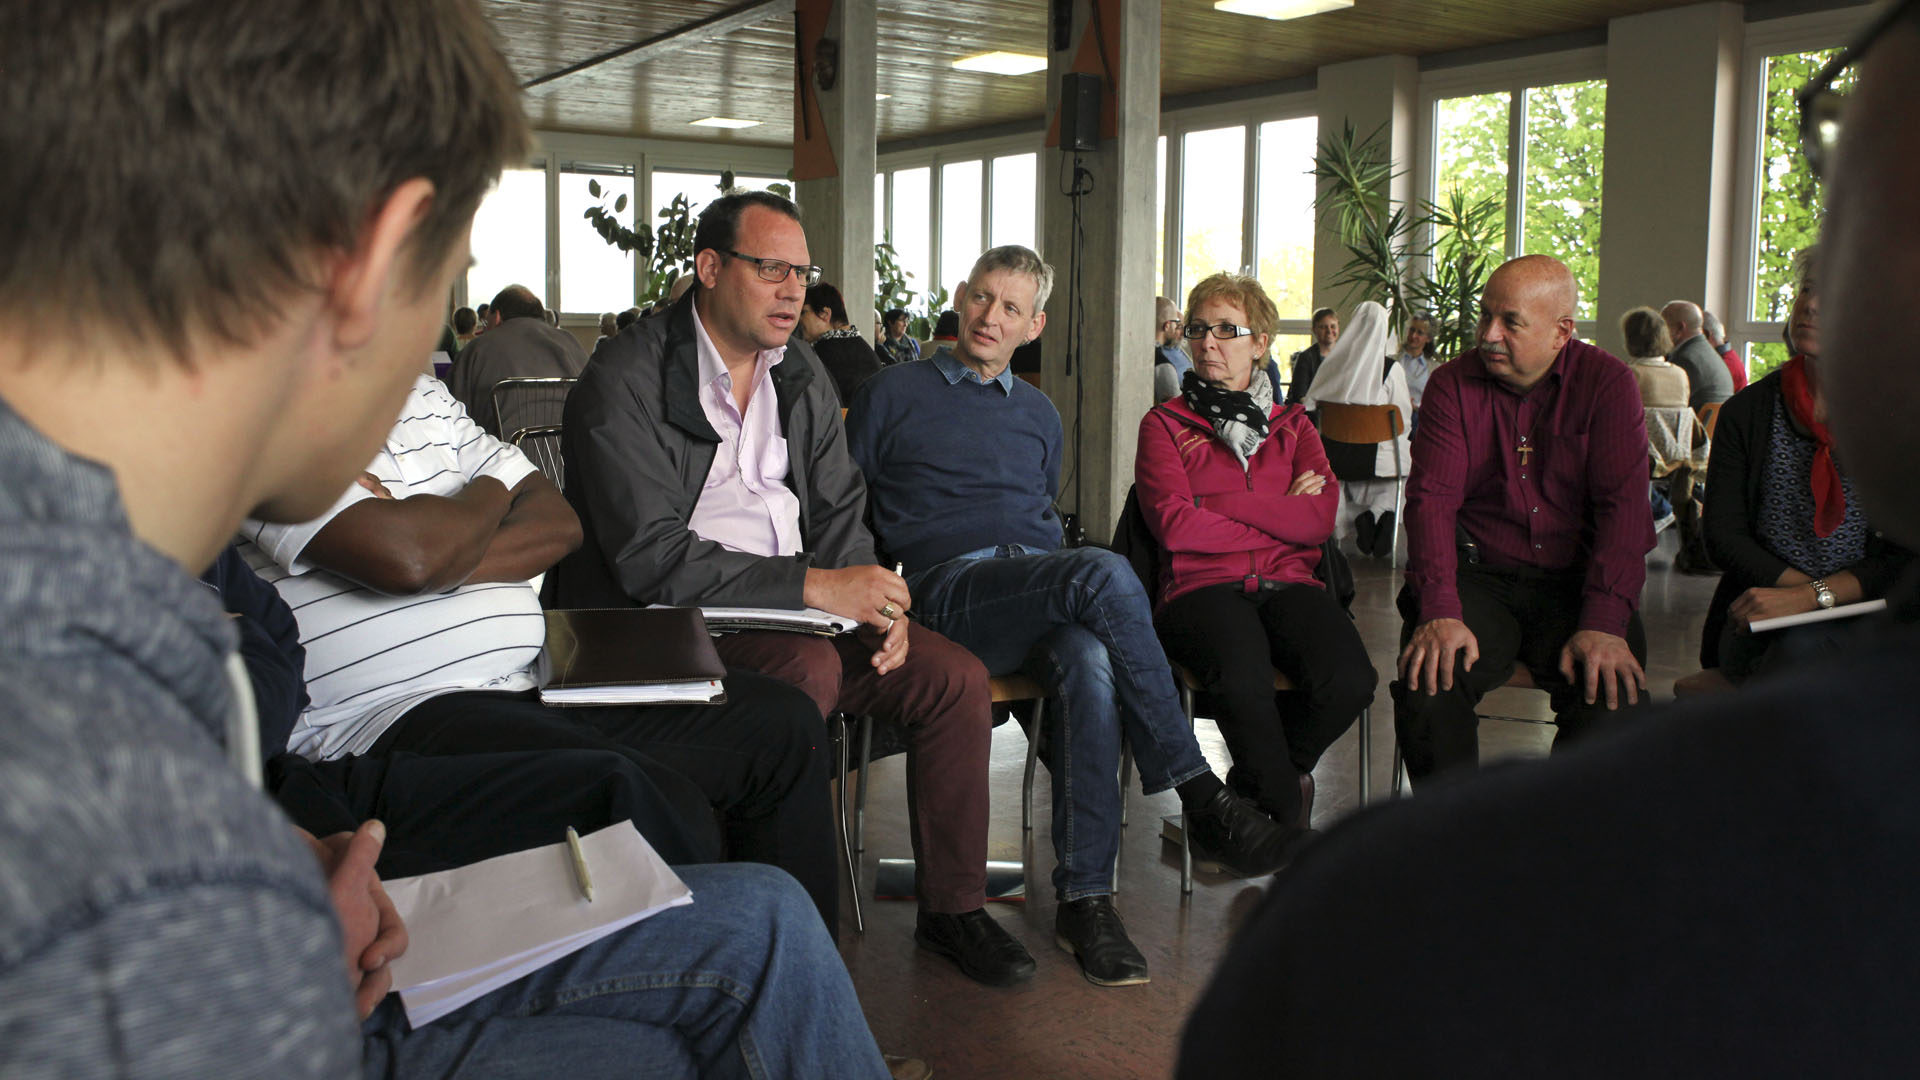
point(1239, 417)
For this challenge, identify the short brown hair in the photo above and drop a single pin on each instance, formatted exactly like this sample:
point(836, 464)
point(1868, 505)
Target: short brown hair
point(189, 162)
point(1262, 316)
point(1646, 332)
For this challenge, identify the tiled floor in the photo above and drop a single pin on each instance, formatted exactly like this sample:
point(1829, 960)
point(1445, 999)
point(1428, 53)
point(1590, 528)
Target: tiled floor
point(1059, 1025)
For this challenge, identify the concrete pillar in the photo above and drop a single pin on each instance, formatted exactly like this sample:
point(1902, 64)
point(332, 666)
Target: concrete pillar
point(1379, 91)
point(1673, 105)
point(833, 147)
point(1110, 384)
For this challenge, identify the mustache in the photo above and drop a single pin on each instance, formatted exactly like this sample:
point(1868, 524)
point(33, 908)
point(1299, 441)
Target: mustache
point(1494, 350)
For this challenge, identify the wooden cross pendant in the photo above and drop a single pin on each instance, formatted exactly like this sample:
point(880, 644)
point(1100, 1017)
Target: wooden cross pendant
point(1524, 450)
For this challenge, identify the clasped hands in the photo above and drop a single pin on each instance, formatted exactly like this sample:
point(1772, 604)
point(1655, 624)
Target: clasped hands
point(876, 596)
point(1602, 658)
point(374, 935)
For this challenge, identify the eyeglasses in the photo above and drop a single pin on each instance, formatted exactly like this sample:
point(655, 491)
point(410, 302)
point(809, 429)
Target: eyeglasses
point(1225, 331)
point(776, 270)
point(1821, 106)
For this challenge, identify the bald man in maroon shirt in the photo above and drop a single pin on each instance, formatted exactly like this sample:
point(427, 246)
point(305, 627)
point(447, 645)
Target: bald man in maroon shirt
point(1527, 526)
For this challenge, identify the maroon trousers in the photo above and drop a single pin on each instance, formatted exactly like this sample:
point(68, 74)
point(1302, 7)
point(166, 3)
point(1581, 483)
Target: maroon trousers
point(940, 695)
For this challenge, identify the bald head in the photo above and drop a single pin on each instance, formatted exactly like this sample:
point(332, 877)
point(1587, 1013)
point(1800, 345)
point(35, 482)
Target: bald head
point(1683, 319)
point(1526, 318)
point(1166, 321)
point(1871, 253)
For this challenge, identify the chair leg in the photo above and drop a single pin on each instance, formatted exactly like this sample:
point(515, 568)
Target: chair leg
point(1126, 777)
point(860, 788)
point(1396, 765)
point(1365, 753)
point(1186, 835)
point(1033, 758)
point(846, 841)
point(1399, 508)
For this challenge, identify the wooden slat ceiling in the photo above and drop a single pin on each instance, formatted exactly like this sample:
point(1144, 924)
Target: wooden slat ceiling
point(749, 73)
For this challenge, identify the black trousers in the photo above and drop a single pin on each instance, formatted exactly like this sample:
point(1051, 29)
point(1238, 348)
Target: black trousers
point(761, 762)
point(443, 812)
point(1232, 641)
point(1517, 616)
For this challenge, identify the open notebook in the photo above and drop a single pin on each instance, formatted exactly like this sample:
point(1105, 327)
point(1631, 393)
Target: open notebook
point(474, 929)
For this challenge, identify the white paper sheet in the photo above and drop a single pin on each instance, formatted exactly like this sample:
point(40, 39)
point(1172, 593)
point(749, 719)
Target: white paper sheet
point(474, 929)
point(692, 692)
point(1844, 611)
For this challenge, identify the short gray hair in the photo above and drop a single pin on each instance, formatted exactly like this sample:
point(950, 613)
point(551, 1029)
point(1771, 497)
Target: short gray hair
point(1020, 260)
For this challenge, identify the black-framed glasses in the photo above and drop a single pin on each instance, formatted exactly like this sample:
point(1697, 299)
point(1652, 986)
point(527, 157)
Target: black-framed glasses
point(776, 270)
point(1225, 331)
point(1821, 106)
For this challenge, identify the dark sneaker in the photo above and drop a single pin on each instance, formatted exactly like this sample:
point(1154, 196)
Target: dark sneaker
point(1091, 930)
point(985, 952)
point(1235, 834)
point(1382, 545)
point(1364, 529)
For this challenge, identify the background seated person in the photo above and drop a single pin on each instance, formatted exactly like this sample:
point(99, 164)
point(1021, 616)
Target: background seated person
point(1527, 526)
point(973, 520)
point(1417, 361)
point(1359, 371)
point(1673, 435)
point(1783, 520)
point(848, 358)
point(421, 629)
point(1223, 494)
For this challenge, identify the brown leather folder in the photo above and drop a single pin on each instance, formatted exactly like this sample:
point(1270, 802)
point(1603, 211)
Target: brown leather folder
point(612, 648)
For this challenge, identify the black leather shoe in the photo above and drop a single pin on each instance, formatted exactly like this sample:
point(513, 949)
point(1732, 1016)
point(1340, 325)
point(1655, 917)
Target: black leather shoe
point(1363, 531)
point(1091, 930)
point(985, 952)
point(1382, 545)
point(1235, 834)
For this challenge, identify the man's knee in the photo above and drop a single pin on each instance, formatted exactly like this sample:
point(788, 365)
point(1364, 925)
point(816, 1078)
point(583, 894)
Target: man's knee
point(954, 677)
point(1109, 574)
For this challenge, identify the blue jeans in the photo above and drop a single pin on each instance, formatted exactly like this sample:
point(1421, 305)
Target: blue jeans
point(744, 982)
point(1078, 620)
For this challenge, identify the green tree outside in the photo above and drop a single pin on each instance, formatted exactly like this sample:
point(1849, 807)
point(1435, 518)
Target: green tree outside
point(1565, 141)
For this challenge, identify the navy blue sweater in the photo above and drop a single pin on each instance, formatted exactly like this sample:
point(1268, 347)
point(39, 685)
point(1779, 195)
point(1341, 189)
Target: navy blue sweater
point(953, 467)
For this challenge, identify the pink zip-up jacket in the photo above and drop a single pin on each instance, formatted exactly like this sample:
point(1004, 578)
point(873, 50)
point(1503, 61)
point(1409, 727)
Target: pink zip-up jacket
point(1220, 525)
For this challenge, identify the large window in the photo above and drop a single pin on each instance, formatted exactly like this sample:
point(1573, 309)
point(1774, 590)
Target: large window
point(1554, 137)
point(1560, 204)
point(510, 236)
point(596, 276)
point(1015, 179)
point(1284, 216)
point(912, 225)
point(1212, 197)
point(961, 192)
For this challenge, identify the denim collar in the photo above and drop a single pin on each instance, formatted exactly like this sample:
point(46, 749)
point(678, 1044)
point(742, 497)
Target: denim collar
point(953, 371)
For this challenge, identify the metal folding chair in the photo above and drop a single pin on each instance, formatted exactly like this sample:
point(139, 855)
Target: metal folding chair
point(522, 402)
point(542, 447)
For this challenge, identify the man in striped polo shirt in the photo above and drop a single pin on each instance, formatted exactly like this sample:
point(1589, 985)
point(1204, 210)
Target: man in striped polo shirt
point(420, 614)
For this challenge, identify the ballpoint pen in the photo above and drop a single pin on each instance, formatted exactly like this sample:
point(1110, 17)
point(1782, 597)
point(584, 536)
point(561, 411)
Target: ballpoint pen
point(580, 864)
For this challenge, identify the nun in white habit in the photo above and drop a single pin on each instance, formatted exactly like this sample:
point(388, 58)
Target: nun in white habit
point(1361, 371)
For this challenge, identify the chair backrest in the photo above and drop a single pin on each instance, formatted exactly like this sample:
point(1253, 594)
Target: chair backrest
point(529, 403)
point(542, 447)
point(1709, 416)
point(1346, 423)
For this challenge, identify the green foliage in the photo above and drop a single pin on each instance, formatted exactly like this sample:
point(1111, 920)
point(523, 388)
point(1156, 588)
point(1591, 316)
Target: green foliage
point(1566, 140)
point(1790, 200)
point(1380, 239)
point(890, 279)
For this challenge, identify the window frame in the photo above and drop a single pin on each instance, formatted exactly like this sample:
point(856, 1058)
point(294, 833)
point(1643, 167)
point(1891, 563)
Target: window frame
point(935, 159)
point(1515, 78)
point(1776, 37)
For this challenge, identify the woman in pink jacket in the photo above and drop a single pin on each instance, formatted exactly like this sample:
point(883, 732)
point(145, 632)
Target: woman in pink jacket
point(1236, 490)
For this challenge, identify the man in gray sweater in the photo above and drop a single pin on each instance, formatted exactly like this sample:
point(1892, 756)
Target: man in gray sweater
point(158, 916)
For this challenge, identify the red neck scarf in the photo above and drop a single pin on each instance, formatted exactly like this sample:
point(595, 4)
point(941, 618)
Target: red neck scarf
point(1829, 500)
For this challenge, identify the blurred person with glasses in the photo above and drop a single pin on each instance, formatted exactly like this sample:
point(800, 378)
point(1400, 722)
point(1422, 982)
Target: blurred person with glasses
point(707, 462)
point(1170, 363)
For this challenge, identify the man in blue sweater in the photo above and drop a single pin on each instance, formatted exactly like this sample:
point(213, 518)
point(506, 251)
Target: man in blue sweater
point(962, 463)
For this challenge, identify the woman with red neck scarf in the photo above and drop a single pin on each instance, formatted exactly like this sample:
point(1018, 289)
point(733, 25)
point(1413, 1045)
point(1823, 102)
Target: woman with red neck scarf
point(1781, 517)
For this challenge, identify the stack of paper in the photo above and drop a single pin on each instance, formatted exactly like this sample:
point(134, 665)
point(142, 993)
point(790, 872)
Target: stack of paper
point(1844, 611)
point(702, 692)
point(726, 620)
point(476, 928)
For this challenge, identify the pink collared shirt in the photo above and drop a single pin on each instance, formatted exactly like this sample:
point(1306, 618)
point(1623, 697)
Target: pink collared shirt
point(745, 505)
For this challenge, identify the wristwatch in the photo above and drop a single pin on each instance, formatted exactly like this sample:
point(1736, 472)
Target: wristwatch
point(1821, 594)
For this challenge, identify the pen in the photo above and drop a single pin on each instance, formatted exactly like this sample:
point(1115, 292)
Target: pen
point(580, 864)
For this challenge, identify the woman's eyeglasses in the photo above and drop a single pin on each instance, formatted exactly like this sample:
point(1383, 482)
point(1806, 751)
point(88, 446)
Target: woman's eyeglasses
point(1225, 331)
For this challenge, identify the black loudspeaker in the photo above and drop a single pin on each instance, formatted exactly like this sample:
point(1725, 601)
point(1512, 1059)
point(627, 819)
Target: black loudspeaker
point(1079, 111)
point(1062, 25)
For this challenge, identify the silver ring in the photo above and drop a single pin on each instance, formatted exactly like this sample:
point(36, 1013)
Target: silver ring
point(889, 628)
